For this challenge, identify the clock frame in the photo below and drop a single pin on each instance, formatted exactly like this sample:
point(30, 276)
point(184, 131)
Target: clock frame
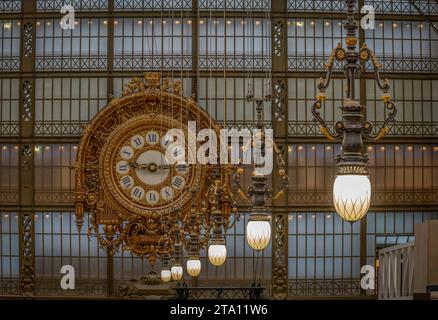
point(145, 105)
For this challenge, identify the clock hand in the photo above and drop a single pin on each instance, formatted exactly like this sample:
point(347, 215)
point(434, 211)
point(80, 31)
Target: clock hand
point(133, 164)
point(137, 165)
point(152, 167)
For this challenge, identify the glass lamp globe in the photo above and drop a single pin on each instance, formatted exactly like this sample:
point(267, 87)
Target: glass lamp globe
point(177, 273)
point(258, 234)
point(194, 267)
point(165, 275)
point(217, 254)
point(352, 196)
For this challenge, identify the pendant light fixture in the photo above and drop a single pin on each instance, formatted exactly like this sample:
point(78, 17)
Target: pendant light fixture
point(352, 188)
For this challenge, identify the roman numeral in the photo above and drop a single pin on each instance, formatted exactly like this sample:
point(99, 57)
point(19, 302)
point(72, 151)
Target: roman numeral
point(123, 167)
point(137, 193)
point(168, 193)
point(152, 196)
point(177, 152)
point(152, 138)
point(128, 153)
point(127, 182)
point(178, 182)
point(137, 142)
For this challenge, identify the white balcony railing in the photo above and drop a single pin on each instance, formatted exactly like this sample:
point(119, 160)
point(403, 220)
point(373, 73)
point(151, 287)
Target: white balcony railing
point(396, 271)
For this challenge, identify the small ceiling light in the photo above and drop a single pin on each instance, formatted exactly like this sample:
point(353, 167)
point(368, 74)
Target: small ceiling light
point(47, 148)
point(394, 25)
point(370, 148)
point(201, 21)
point(39, 23)
point(327, 24)
point(424, 148)
point(300, 23)
point(105, 22)
point(151, 21)
point(189, 21)
point(139, 22)
point(47, 216)
point(328, 148)
point(194, 267)
point(176, 272)
point(5, 148)
point(435, 148)
point(116, 22)
point(300, 148)
point(228, 21)
point(290, 148)
point(382, 148)
point(410, 148)
point(6, 215)
point(258, 232)
point(177, 21)
point(15, 147)
point(351, 196)
point(166, 275)
point(217, 254)
point(257, 22)
point(164, 21)
point(49, 23)
point(312, 23)
point(313, 148)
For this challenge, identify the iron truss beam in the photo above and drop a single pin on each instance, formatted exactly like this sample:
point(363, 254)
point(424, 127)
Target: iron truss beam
point(427, 18)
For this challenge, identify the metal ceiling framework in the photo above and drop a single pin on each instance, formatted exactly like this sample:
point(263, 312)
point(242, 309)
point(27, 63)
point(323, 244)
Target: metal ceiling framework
point(26, 140)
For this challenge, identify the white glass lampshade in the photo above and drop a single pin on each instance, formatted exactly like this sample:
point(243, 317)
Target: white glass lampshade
point(165, 275)
point(258, 234)
point(177, 273)
point(194, 267)
point(217, 254)
point(352, 196)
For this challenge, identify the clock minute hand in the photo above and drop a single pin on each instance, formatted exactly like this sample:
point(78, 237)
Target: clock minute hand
point(137, 165)
point(164, 166)
point(133, 164)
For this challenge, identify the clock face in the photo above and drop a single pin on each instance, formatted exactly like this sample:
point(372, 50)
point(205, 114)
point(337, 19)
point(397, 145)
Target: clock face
point(143, 172)
point(137, 173)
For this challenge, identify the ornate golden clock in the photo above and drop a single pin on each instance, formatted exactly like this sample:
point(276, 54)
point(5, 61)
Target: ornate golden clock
point(124, 178)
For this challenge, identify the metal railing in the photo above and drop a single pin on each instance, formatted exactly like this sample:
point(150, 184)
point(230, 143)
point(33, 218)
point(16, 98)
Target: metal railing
point(396, 272)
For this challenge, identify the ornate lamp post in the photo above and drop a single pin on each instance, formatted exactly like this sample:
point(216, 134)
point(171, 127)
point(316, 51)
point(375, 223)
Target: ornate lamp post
point(352, 188)
point(177, 269)
point(258, 229)
point(221, 205)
